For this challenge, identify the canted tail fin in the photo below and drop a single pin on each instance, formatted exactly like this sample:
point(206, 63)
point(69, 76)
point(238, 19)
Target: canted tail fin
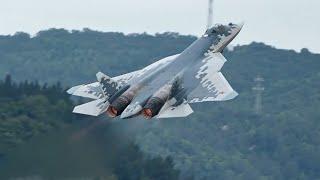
point(101, 91)
point(108, 86)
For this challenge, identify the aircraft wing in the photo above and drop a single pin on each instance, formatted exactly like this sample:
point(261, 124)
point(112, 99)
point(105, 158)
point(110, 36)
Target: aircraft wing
point(125, 78)
point(211, 85)
point(220, 90)
point(96, 90)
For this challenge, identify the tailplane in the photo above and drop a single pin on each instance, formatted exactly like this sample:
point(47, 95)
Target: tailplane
point(93, 108)
point(101, 91)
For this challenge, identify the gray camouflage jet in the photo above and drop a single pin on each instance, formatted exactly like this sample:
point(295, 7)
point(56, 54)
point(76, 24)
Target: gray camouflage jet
point(165, 88)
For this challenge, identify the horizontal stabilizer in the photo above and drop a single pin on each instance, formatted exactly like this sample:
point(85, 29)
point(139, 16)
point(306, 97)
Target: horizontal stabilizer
point(182, 110)
point(92, 91)
point(93, 108)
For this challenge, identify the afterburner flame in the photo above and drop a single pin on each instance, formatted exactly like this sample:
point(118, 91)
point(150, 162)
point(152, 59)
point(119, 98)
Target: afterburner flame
point(112, 112)
point(147, 113)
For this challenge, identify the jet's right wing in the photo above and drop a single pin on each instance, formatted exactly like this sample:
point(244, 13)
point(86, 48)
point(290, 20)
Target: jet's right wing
point(219, 91)
point(211, 85)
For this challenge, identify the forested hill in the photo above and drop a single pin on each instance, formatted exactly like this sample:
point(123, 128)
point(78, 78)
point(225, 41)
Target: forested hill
point(74, 57)
point(40, 138)
point(77, 56)
point(224, 140)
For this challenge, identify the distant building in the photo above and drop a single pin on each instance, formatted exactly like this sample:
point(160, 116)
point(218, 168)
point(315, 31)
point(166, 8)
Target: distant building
point(258, 90)
point(210, 15)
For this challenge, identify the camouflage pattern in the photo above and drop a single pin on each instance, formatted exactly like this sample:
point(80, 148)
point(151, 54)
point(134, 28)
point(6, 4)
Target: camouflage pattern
point(194, 76)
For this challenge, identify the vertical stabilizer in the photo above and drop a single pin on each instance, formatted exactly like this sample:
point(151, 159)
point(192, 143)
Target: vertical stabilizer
point(109, 86)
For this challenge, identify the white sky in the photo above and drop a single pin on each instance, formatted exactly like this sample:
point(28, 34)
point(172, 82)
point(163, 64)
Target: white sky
point(289, 24)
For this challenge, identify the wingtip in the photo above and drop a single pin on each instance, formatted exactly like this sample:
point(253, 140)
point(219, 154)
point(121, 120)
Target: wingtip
point(73, 89)
point(232, 95)
point(241, 24)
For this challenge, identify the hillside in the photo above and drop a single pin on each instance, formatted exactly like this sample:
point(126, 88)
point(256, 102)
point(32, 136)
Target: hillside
point(41, 139)
point(57, 55)
point(220, 140)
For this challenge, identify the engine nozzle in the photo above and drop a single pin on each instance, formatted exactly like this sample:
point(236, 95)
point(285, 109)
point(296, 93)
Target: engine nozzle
point(153, 107)
point(112, 112)
point(156, 102)
point(120, 104)
point(147, 113)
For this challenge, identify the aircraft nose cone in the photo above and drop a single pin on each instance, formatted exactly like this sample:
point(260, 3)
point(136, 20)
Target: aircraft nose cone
point(235, 30)
point(239, 26)
point(131, 111)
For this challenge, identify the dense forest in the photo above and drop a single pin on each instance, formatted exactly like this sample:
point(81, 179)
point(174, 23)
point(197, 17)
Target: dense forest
point(41, 139)
point(226, 140)
point(57, 54)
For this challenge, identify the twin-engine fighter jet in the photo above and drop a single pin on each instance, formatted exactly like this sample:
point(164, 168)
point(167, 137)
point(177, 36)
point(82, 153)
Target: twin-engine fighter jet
point(165, 88)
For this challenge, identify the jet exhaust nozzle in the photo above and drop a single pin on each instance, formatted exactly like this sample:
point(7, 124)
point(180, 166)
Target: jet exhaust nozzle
point(153, 107)
point(112, 112)
point(120, 104)
point(156, 102)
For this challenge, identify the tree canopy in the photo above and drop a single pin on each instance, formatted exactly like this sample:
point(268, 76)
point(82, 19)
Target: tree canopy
point(41, 138)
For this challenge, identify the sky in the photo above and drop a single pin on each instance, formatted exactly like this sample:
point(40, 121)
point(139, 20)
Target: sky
point(287, 24)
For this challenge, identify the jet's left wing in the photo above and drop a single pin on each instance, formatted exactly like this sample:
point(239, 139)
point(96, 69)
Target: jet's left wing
point(211, 85)
point(95, 90)
point(125, 78)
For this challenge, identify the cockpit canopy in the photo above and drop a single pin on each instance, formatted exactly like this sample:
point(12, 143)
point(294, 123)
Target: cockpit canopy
point(219, 29)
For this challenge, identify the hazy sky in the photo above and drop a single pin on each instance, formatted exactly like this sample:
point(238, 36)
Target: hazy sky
point(289, 24)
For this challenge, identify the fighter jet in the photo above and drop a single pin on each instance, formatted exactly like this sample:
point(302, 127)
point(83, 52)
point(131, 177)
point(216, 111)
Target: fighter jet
point(166, 88)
